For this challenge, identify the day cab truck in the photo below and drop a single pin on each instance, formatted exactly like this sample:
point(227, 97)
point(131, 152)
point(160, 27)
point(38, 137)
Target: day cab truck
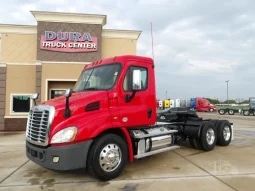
point(109, 118)
point(201, 105)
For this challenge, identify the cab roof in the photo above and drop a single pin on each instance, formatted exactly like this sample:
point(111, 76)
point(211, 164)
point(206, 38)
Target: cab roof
point(122, 59)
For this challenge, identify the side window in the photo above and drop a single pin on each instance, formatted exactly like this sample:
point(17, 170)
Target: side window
point(127, 84)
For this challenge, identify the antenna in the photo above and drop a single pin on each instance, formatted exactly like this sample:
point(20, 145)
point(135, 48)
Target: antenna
point(152, 42)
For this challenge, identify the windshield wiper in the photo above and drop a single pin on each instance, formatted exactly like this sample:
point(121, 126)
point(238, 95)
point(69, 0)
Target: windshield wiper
point(91, 89)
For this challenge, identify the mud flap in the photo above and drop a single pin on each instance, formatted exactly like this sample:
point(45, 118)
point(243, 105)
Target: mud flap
point(232, 130)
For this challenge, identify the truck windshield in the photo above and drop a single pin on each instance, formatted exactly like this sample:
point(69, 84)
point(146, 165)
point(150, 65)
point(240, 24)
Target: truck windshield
point(98, 78)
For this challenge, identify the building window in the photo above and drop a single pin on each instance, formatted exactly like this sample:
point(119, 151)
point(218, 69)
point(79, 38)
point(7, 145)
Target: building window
point(20, 103)
point(56, 93)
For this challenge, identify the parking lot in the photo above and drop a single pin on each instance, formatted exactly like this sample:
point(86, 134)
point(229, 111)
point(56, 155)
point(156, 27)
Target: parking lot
point(224, 168)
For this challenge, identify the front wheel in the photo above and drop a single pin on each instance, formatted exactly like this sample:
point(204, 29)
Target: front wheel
point(107, 157)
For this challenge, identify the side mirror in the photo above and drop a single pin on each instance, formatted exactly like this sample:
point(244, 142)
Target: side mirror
point(68, 93)
point(34, 96)
point(136, 82)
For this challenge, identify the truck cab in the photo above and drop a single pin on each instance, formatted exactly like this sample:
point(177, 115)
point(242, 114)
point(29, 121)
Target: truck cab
point(203, 104)
point(109, 96)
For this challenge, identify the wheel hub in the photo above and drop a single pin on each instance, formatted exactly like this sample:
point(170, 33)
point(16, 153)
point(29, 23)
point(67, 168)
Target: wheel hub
point(210, 136)
point(110, 157)
point(226, 133)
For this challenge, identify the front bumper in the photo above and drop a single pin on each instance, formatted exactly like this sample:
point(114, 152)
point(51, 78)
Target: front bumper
point(71, 157)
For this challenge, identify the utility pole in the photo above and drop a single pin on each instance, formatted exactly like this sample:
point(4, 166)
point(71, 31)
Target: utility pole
point(227, 90)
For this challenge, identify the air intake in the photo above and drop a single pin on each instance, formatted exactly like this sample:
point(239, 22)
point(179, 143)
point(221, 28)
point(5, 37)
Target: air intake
point(93, 106)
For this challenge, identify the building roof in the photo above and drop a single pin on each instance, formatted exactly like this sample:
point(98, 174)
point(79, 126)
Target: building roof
point(69, 17)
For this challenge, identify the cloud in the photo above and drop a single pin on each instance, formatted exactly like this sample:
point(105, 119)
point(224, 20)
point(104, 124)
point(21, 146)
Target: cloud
point(197, 44)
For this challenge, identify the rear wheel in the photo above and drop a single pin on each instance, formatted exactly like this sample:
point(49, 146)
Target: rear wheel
point(231, 112)
point(107, 157)
point(246, 112)
point(211, 110)
point(221, 111)
point(208, 137)
point(224, 133)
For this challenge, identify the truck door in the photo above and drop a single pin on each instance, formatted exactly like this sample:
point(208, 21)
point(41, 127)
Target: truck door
point(142, 107)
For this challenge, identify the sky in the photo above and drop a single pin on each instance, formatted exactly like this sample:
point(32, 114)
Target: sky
point(198, 44)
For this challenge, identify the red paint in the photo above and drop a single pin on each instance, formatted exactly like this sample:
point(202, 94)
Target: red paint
point(113, 108)
point(68, 46)
point(203, 104)
point(130, 148)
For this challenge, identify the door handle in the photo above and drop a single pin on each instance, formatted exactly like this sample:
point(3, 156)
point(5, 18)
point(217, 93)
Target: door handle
point(149, 113)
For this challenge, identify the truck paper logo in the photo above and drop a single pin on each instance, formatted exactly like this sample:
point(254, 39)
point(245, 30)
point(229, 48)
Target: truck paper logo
point(221, 167)
point(68, 42)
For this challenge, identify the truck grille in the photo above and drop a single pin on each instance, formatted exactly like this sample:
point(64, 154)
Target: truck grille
point(38, 124)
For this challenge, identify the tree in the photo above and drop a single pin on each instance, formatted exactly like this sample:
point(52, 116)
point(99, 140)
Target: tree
point(213, 101)
point(231, 101)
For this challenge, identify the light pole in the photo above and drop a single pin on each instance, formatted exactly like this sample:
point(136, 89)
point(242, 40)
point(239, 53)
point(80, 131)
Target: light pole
point(227, 90)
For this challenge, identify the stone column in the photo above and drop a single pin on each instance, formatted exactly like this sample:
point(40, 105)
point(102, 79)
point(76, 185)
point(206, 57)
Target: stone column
point(2, 94)
point(38, 82)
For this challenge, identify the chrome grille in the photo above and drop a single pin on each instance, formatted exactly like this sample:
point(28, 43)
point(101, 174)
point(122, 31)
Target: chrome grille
point(38, 124)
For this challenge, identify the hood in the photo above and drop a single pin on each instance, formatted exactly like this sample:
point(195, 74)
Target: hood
point(77, 99)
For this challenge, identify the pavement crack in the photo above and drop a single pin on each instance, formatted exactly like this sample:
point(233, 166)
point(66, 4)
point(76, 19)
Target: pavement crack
point(13, 172)
point(206, 171)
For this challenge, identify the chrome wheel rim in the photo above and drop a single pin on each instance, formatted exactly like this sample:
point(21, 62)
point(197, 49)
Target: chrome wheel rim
point(226, 133)
point(210, 136)
point(110, 157)
point(231, 111)
point(221, 111)
point(162, 117)
point(211, 110)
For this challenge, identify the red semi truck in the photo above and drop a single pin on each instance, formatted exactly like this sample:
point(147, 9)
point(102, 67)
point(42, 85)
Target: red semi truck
point(109, 118)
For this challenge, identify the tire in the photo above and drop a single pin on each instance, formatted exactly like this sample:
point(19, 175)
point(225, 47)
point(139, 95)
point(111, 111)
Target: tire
point(224, 133)
point(194, 143)
point(162, 117)
point(254, 112)
point(231, 112)
point(208, 137)
point(100, 151)
point(246, 112)
point(222, 112)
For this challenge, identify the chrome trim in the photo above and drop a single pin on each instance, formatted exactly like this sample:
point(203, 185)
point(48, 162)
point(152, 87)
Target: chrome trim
point(42, 140)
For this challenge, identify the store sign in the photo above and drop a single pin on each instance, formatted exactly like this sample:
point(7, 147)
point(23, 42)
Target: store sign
point(68, 42)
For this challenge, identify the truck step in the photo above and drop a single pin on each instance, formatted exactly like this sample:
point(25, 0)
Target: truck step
point(154, 134)
point(156, 152)
point(160, 145)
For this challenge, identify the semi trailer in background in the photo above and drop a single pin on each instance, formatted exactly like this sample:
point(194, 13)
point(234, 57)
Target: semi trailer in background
point(245, 109)
point(196, 104)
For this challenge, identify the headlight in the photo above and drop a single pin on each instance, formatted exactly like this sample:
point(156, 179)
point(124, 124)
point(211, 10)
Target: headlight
point(65, 135)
